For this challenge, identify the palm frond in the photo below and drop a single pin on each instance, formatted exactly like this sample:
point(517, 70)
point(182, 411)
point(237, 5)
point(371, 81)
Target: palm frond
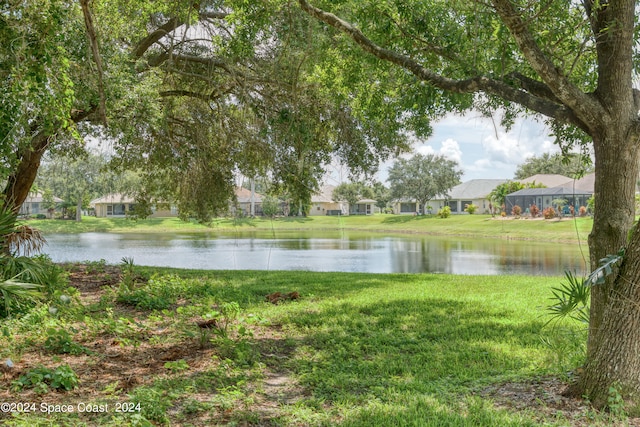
point(18, 238)
point(571, 300)
point(26, 240)
point(11, 290)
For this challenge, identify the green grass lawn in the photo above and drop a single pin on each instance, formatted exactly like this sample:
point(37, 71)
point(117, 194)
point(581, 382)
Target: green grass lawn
point(565, 230)
point(353, 350)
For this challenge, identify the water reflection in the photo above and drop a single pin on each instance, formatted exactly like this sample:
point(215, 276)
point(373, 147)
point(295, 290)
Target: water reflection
point(321, 251)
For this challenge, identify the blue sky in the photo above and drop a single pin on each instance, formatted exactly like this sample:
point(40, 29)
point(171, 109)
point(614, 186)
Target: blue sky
point(482, 149)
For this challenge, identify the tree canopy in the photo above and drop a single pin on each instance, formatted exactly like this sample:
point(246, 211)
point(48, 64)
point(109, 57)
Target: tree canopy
point(79, 179)
point(190, 94)
point(351, 192)
point(423, 177)
point(571, 165)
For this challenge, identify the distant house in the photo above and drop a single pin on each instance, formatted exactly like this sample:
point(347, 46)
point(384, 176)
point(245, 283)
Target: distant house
point(405, 207)
point(112, 205)
point(33, 205)
point(363, 207)
point(475, 191)
point(322, 203)
point(543, 198)
point(245, 199)
point(575, 191)
point(117, 205)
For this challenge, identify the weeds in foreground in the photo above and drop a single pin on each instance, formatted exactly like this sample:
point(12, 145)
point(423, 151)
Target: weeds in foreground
point(42, 378)
point(375, 350)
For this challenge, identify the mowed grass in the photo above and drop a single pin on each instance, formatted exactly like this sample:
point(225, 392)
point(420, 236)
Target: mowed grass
point(555, 230)
point(353, 350)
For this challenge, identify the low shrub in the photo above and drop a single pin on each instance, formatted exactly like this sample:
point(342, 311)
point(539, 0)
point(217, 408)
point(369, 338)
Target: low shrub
point(582, 211)
point(470, 209)
point(516, 210)
point(60, 341)
point(144, 300)
point(41, 378)
point(159, 293)
point(534, 211)
point(445, 212)
point(549, 213)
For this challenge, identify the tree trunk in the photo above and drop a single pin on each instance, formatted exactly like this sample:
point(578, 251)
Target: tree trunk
point(614, 327)
point(79, 208)
point(20, 181)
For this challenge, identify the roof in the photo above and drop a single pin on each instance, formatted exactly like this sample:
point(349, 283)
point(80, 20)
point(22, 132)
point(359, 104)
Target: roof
point(554, 191)
point(550, 180)
point(112, 198)
point(473, 189)
point(37, 198)
point(587, 182)
point(244, 196)
point(366, 201)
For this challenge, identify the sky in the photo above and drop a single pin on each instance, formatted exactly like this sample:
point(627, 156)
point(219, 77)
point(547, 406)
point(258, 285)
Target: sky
point(482, 149)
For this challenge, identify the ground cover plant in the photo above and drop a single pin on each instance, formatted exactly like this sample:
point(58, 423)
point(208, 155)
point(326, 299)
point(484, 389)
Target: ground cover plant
point(208, 348)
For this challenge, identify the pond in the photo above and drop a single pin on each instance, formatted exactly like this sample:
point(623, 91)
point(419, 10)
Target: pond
point(321, 251)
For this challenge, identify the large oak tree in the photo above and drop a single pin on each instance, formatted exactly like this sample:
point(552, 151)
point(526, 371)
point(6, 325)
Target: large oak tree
point(570, 62)
point(423, 177)
point(192, 93)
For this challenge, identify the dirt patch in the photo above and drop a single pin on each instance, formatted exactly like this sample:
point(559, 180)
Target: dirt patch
point(115, 365)
point(546, 398)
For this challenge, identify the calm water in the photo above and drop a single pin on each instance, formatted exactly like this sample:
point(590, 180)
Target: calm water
point(324, 251)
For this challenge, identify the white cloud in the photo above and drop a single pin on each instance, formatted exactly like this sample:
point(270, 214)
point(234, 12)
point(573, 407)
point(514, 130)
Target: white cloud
point(449, 148)
point(481, 147)
point(505, 149)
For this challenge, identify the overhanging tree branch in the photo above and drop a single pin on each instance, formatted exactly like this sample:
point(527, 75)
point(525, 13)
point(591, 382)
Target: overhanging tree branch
point(93, 39)
point(585, 106)
point(143, 46)
point(535, 102)
point(171, 25)
point(197, 95)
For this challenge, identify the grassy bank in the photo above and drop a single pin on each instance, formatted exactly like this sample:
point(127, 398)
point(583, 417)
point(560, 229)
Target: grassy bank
point(348, 350)
point(480, 226)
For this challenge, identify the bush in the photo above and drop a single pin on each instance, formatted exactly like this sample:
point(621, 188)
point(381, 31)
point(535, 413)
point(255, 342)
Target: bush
point(549, 213)
point(444, 212)
point(270, 206)
point(60, 341)
point(582, 211)
point(41, 378)
point(517, 210)
point(534, 211)
point(470, 209)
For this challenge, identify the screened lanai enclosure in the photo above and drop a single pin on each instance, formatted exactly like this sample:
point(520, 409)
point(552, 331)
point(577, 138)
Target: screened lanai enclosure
point(547, 197)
